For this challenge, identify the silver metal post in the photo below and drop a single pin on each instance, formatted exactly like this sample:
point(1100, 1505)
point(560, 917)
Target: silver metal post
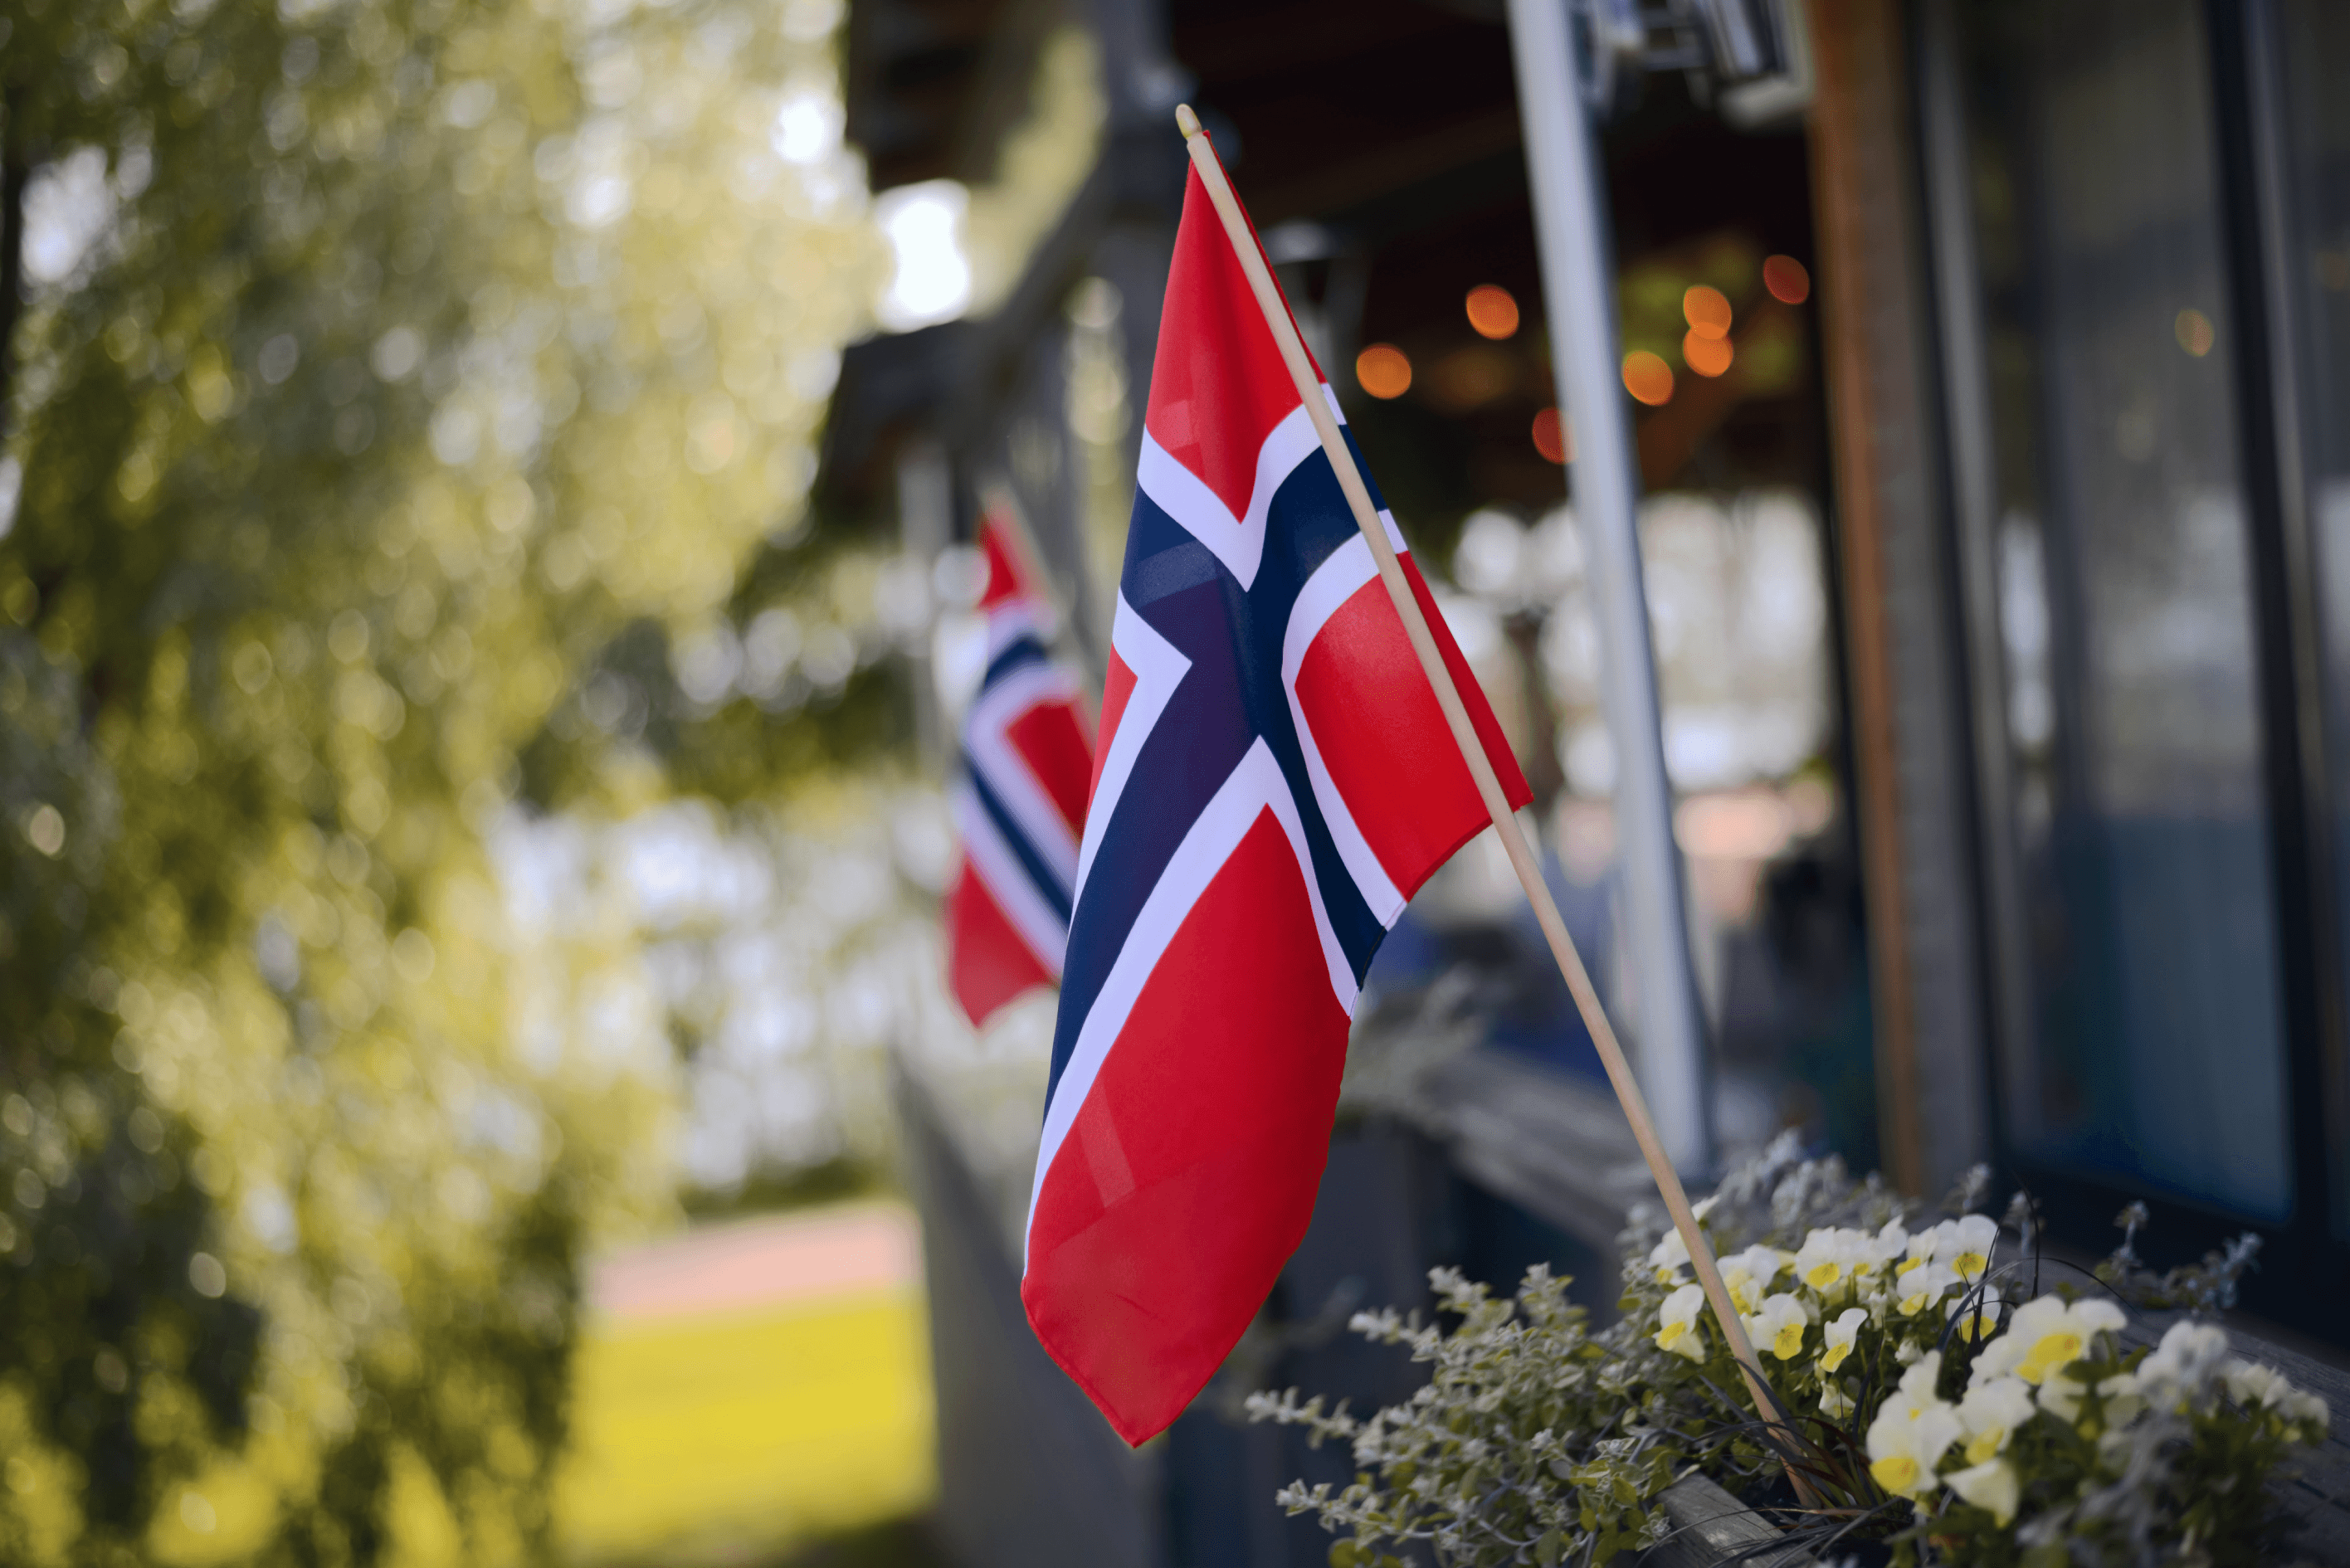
point(1578, 288)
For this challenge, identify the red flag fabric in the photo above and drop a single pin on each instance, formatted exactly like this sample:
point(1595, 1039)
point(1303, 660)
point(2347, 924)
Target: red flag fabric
point(1275, 780)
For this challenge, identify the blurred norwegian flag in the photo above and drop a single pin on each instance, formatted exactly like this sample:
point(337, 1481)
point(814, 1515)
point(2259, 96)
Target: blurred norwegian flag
point(1028, 761)
point(1275, 781)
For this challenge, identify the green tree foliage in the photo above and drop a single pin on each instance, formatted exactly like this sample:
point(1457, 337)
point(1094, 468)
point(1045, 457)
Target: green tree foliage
point(437, 364)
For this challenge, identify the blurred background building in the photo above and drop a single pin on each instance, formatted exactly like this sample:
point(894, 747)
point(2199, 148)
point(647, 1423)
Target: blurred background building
point(485, 521)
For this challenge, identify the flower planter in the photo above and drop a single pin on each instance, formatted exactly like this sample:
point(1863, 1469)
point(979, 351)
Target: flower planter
point(1943, 1403)
point(1710, 1527)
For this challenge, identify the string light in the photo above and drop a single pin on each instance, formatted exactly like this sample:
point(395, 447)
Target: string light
point(1492, 311)
point(1706, 356)
point(1707, 311)
point(1383, 372)
point(1647, 377)
point(1551, 437)
point(1786, 279)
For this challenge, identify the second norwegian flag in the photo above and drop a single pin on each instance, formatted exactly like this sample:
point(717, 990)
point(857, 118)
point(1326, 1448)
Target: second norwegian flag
point(1028, 759)
point(1275, 780)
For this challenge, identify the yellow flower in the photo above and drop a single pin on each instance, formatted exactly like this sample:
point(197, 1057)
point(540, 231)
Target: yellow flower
point(1881, 1248)
point(1991, 1413)
point(1780, 1325)
point(1922, 1287)
point(1679, 1329)
point(1828, 1257)
point(1749, 1274)
point(1839, 1338)
point(1912, 1431)
point(2045, 1337)
point(1969, 1248)
point(1978, 1316)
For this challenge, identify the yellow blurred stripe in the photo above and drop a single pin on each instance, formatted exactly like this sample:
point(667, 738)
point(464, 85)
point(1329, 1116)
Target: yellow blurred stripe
point(748, 1427)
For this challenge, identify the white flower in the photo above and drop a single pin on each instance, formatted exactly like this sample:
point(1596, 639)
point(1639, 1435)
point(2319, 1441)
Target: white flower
point(2045, 1336)
point(1991, 1413)
point(1680, 1331)
point(1840, 1336)
point(2250, 1384)
point(1920, 1288)
point(1912, 1431)
point(2178, 1369)
point(1829, 1257)
point(1990, 1485)
point(1891, 1242)
point(1668, 1258)
point(1915, 1388)
point(2307, 1411)
point(1749, 1274)
point(1967, 1245)
point(1780, 1325)
point(1835, 1403)
point(1919, 1248)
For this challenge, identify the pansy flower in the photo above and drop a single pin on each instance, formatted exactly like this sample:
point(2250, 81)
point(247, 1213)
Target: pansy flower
point(1679, 1329)
point(2045, 1337)
point(1991, 1413)
point(1780, 1324)
point(1840, 1337)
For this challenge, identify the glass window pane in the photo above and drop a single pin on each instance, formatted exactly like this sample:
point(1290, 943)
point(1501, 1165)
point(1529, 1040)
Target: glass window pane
point(2314, 57)
point(2155, 1053)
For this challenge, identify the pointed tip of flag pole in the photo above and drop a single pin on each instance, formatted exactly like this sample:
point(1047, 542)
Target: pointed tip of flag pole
point(1186, 122)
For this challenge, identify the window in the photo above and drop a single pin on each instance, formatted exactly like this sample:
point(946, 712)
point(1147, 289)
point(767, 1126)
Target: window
point(2147, 1042)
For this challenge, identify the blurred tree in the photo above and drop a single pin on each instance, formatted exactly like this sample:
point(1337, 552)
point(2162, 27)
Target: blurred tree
point(397, 392)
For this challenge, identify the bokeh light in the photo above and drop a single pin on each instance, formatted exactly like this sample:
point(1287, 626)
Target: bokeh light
point(2193, 330)
point(1493, 311)
point(1706, 356)
point(1647, 377)
point(1786, 279)
point(1707, 311)
point(1551, 437)
point(1383, 370)
point(931, 279)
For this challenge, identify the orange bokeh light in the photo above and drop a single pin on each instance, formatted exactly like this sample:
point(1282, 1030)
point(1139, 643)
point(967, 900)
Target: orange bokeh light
point(1647, 377)
point(1707, 311)
point(1382, 371)
point(1492, 311)
point(1786, 278)
point(1551, 438)
point(2194, 332)
point(1706, 356)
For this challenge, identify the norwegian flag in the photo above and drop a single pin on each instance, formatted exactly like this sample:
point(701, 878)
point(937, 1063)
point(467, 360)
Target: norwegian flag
point(1275, 781)
point(1028, 759)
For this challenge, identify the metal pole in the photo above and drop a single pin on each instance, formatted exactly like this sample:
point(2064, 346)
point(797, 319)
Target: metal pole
point(1578, 287)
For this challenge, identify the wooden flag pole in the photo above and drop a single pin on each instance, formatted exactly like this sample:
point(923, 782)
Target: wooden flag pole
point(1480, 766)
